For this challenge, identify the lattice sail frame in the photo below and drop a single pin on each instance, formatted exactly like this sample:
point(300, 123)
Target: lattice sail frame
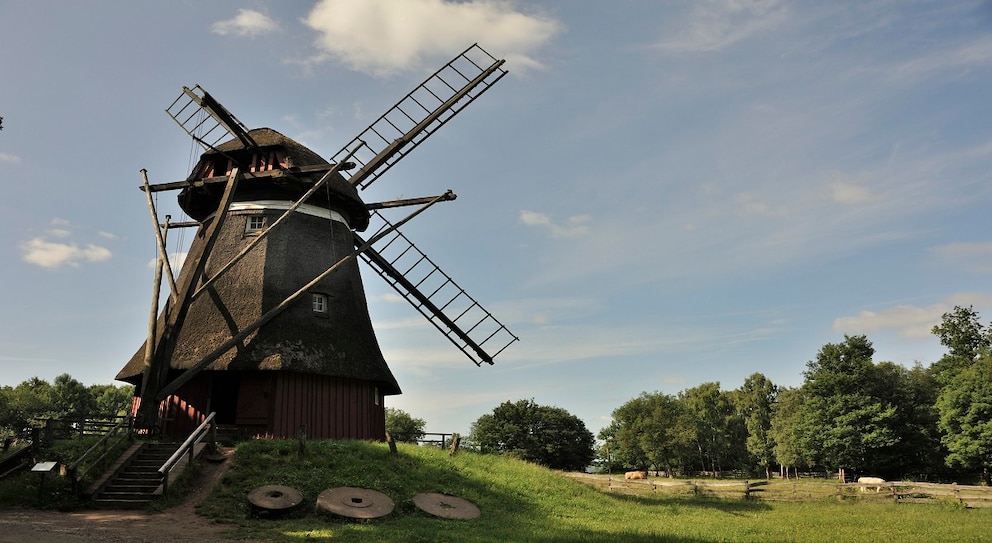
point(432, 292)
point(420, 113)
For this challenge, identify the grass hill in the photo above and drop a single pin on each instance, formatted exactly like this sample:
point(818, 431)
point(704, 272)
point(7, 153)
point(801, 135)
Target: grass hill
point(522, 502)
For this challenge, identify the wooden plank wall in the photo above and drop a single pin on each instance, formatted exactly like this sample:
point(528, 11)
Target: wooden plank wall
point(329, 407)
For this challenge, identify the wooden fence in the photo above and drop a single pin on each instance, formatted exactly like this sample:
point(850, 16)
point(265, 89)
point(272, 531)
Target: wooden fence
point(786, 490)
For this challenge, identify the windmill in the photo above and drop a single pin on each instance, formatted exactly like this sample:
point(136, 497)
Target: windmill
point(267, 323)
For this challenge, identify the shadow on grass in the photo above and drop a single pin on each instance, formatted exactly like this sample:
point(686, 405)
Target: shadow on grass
point(330, 464)
point(726, 505)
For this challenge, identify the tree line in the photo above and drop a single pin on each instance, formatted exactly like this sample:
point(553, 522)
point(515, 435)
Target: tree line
point(849, 415)
point(33, 400)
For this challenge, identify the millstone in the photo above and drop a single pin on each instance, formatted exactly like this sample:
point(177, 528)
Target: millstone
point(444, 506)
point(355, 502)
point(274, 498)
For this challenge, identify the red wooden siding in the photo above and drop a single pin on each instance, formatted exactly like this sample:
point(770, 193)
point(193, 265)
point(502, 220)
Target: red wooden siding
point(276, 405)
point(331, 408)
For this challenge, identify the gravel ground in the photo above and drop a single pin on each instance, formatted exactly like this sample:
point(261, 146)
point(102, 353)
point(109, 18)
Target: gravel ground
point(177, 525)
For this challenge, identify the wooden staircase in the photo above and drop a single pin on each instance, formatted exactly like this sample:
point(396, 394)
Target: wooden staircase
point(134, 481)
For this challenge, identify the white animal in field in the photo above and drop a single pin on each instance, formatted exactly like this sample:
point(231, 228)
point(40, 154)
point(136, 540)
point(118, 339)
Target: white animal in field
point(635, 475)
point(868, 483)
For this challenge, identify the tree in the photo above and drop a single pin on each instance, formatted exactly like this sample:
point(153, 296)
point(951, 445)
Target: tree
point(965, 338)
point(754, 403)
point(648, 431)
point(712, 418)
point(546, 435)
point(112, 401)
point(71, 399)
point(30, 400)
point(916, 448)
point(402, 426)
point(785, 431)
point(844, 421)
point(966, 418)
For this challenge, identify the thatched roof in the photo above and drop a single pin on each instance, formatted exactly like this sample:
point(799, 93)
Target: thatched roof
point(340, 343)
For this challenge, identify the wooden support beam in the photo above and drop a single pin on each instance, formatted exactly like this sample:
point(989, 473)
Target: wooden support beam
point(446, 197)
point(159, 239)
point(158, 372)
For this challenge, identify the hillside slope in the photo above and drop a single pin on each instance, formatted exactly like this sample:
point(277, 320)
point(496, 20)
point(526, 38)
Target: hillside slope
point(522, 502)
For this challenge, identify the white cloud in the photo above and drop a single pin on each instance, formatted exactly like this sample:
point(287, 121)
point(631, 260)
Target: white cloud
point(908, 321)
point(247, 22)
point(574, 226)
point(381, 37)
point(10, 159)
point(55, 255)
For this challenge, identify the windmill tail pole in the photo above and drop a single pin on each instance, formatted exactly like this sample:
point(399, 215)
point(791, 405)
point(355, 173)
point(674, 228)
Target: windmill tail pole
point(152, 325)
point(159, 240)
point(186, 376)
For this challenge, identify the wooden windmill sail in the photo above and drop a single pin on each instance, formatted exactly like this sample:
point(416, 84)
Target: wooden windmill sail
point(267, 323)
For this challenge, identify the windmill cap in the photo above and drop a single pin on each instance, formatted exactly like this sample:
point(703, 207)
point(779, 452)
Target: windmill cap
point(199, 202)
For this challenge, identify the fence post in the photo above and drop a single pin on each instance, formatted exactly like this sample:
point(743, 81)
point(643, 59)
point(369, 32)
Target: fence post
point(747, 490)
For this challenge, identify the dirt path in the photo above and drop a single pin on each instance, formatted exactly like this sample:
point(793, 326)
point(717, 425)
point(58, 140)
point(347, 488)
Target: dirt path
point(177, 525)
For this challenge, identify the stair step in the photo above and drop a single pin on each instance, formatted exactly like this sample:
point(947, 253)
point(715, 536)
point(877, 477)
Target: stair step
point(137, 477)
point(130, 489)
point(131, 496)
point(135, 483)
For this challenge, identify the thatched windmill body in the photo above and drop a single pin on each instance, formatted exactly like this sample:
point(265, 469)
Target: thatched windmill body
point(267, 324)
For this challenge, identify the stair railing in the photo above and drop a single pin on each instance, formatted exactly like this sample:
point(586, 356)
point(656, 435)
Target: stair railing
point(72, 470)
point(188, 448)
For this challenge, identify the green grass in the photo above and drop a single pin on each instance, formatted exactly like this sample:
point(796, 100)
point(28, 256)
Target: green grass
point(521, 502)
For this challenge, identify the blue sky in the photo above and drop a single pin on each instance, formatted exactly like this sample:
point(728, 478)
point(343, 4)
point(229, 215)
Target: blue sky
point(660, 194)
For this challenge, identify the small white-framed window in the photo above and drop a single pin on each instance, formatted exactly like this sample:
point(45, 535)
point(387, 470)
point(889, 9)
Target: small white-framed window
point(375, 395)
point(255, 223)
point(319, 304)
